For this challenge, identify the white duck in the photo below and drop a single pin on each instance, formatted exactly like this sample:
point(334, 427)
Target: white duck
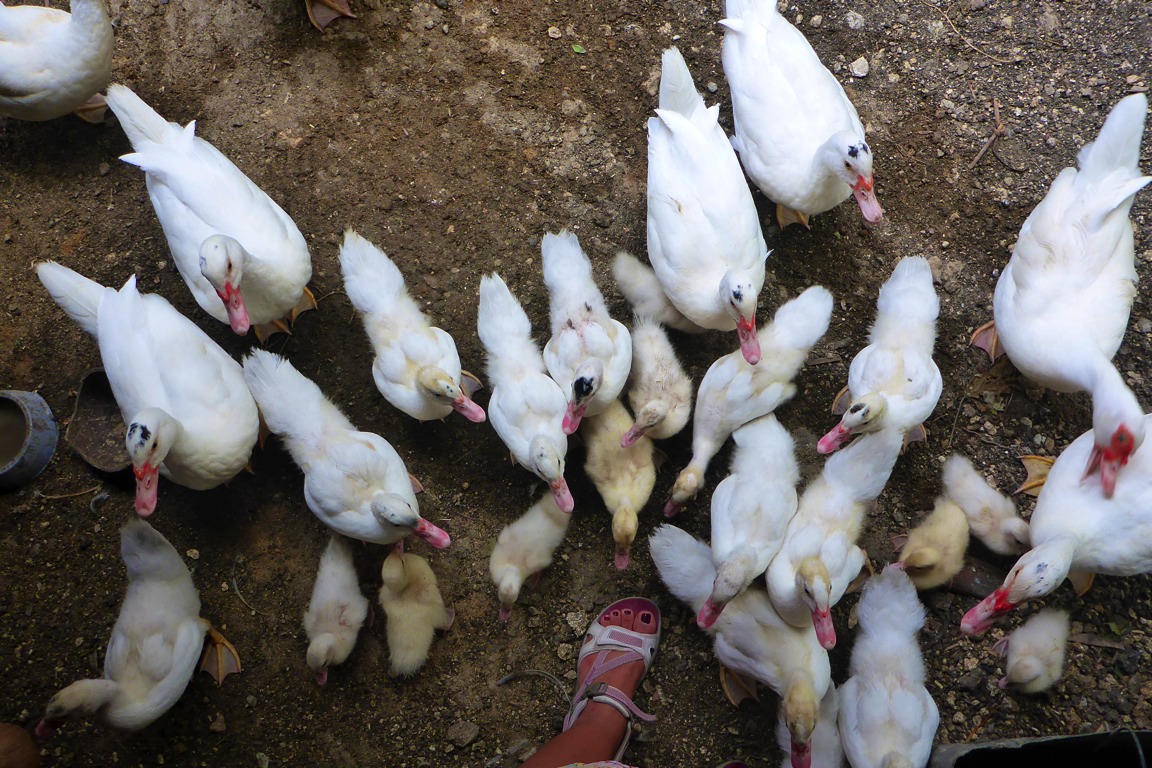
point(527, 407)
point(589, 354)
point(417, 368)
point(750, 639)
point(887, 717)
point(354, 482)
point(893, 382)
point(1062, 303)
point(524, 548)
point(659, 391)
point(733, 393)
point(704, 238)
point(336, 611)
point(1076, 532)
point(1035, 652)
point(819, 557)
point(189, 415)
point(751, 509)
point(52, 62)
point(155, 643)
point(624, 475)
point(241, 255)
point(415, 609)
point(798, 135)
point(991, 515)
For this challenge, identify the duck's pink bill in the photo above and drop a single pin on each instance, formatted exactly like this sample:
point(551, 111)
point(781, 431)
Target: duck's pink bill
point(749, 341)
point(835, 438)
point(825, 630)
point(147, 487)
point(469, 410)
point(866, 199)
point(435, 536)
point(236, 309)
point(562, 495)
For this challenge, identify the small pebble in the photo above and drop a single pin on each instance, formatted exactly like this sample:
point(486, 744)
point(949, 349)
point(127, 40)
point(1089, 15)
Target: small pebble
point(261, 760)
point(712, 87)
point(218, 725)
point(816, 21)
point(462, 733)
point(554, 33)
point(193, 554)
point(854, 20)
point(565, 651)
point(859, 68)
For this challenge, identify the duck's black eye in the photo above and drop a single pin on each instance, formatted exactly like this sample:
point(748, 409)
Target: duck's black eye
point(856, 408)
point(847, 165)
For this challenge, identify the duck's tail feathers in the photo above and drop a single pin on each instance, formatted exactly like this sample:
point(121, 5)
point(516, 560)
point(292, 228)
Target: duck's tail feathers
point(502, 324)
point(143, 124)
point(76, 294)
point(567, 270)
point(907, 299)
point(890, 604)
point(684, 563)
point(801, 322)
point(1110, 166)
point(291, 403)
point(762, 11)
point(372, 281)
point(677, 90)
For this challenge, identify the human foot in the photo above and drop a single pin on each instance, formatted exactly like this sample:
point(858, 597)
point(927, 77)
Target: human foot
point(618, 648)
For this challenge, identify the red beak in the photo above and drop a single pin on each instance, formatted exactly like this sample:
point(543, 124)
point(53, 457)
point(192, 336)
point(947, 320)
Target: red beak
point(749, 342)
point(981, 617)
point(835, 438)
point(147, 483)
point(234, 306)
point(866, 199)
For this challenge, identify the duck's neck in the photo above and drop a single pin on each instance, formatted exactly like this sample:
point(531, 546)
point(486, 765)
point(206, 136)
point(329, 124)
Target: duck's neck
point(87, 696)
point(1113, 404)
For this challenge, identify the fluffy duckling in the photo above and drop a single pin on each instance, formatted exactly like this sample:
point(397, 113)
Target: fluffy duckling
point(337, 609)
point(750, 639)
point(527, 407)
point(640, 286)
point(623, 476)
point(934, 552)
point(417, 368)
point(241, 255)
point(524, 548)
point(894, 382)
point(992, 516)
point(589, 354)
point(819, 557)
point(1035, 652)
point(659, 392)
point(734, 392)
point(354, 482)
point(411, 600)
point(55, 62)
point(17, 749)
point(155, 643)
point(887, 717)
point(751, 509)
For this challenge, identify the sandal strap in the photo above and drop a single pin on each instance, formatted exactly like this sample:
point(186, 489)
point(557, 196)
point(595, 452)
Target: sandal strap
point(602, 693)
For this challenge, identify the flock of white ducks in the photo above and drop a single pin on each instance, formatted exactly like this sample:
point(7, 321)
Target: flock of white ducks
point(1061, 309)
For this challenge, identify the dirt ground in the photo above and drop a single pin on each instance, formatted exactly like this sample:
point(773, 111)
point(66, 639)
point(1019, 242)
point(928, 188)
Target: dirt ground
point(454, 135)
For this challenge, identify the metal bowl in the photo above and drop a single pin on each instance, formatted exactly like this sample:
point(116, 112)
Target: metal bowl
point(27, 437)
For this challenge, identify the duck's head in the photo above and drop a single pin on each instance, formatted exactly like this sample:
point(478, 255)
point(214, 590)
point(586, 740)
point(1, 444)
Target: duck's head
point(863, 415)
point(327, 649)
point(150, 436)
point(548, 463)
point(801, 709)
point(919, 561)
point(1118, 433)
point(222, 261)
point(585, 384)
point(647, 417)
point(394, 509)
point(687, 485)
point(1036, 573)
point(508, 590)
point(738, 296)
point(1021, 672)
point(728, 583)
point(437, 383)
point(848, 155)
point(624, 525)
point(816, 590)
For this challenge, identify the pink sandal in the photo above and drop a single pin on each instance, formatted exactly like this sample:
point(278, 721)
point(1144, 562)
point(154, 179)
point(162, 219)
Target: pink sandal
point(638, 646)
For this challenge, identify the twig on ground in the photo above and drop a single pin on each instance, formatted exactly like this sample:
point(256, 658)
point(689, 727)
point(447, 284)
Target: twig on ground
point(67, 495)
point(236, 587)
point(997, 132)
point(967, 42)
